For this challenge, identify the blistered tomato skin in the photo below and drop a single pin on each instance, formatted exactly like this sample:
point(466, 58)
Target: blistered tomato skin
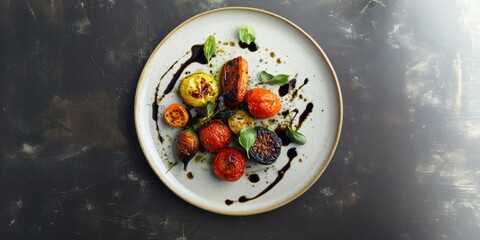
point(262, 103)
point(215, 136)
point(176, 115)
point(229, 164)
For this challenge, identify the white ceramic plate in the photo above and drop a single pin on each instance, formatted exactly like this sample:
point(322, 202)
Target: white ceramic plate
point(282, 48)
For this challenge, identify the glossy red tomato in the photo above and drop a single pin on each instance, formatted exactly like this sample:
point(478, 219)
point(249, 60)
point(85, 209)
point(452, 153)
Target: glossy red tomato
point(214, 136)
point(262, 103)
point(229, 164)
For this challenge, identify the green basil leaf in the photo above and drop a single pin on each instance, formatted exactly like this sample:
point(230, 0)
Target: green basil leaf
point(247, 138)
point(265, 77)
point(209, 47)
point(210, 108)
point(296, 137)
point(246, 34)
point(280, 79)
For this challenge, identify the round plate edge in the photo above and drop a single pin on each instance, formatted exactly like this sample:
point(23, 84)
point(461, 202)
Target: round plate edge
point(332, 151)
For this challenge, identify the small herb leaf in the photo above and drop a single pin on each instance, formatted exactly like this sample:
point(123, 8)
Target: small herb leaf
point(246, 34)
point(209, 47)
point(296, 137)
point(247, 138)
point(280, 79)
point(263, 76)
point(210, 108)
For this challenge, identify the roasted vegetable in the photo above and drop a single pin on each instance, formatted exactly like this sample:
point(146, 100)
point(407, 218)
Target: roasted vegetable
point(267, 146)
point(229, 164)
point(187, 146)
point(225, 113)
point(262, 103)
point(240, 120)
point(176, 115)
point(214, 136)
point(214, 111)
point(198, 89)
point(234, 81)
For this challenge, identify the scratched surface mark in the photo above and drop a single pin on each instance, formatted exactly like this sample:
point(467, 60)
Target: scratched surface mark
point(407, 166)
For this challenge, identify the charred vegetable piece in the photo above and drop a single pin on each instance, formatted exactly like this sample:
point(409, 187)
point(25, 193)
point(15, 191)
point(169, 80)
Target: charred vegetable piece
point(225, 113)
point(240, 120)
point(229, 164)
point(267, 146)
point(187, 146)
point(217, 110)
point(176, 115)
point(262, 103)
point(221, 101)
point(234, 81)
point(199, 89)
point(214, 136)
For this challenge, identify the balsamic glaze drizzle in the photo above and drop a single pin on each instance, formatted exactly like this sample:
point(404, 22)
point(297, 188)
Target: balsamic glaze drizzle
point(252, 47)
point(197, 56)
point(304, 83)
point(291, 153)
point(305, 114)
point(253, 178)
point(285, 89)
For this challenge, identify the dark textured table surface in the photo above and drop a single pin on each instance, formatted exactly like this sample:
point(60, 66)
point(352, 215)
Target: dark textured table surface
point(407, 165)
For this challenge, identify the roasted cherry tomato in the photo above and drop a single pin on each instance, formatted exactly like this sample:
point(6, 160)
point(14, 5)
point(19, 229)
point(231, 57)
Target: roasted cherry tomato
point(198, 89)
point(240, 120)
point(176, 115)
point(214, 136)
point(262, 103)
point(229, 164)
point(187, 146)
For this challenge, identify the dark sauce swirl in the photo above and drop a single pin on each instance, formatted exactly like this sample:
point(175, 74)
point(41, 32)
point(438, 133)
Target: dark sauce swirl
point(198, 57)
point(252, 47)
point(291, 153)
point(285, 89)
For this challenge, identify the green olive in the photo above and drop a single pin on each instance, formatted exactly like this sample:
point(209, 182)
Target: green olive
point(240, 120)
